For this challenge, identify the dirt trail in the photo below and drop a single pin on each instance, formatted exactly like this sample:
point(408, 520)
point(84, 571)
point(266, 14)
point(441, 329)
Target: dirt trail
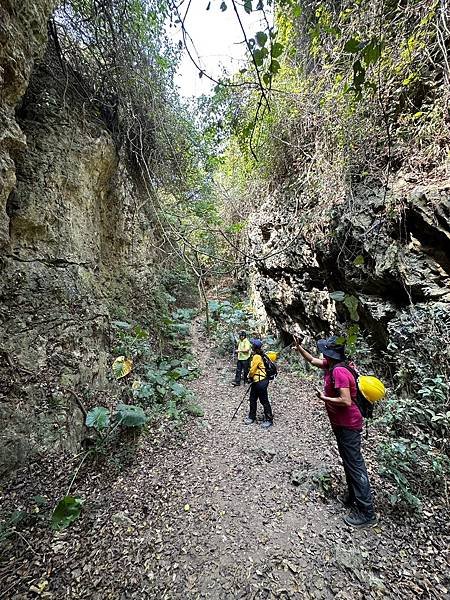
point(222, 510)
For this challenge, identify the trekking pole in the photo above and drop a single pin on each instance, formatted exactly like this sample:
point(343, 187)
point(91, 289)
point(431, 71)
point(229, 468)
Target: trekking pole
point(240, 403)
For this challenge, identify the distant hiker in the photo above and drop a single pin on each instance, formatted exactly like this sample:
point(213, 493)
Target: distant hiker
point(258, 389)
point(347, 422)
point(243, 363)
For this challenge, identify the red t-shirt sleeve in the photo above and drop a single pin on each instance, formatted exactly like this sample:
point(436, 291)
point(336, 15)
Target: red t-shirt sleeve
point(342, 378)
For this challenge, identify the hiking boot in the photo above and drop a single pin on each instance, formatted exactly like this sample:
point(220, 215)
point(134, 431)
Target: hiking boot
point(266, 424)
point(248, 421)
point(346, 500)
point(236, 383)
point(360, 520)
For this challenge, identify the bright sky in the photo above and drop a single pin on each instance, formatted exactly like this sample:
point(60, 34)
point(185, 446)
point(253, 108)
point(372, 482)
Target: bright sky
point(218, 42)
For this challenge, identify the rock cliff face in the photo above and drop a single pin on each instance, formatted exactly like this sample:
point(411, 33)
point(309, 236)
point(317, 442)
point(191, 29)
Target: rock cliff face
point(402, 281)
point(74, 235)
point(23, 34)
point(359, 190)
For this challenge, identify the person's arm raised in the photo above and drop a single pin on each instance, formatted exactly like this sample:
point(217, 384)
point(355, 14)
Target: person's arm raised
point(316, 362)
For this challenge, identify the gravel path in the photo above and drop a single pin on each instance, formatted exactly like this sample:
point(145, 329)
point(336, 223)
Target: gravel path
point(221, 510)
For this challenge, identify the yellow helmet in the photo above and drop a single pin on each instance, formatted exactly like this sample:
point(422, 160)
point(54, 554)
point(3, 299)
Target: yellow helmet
point(272, 356)
point(371, 388)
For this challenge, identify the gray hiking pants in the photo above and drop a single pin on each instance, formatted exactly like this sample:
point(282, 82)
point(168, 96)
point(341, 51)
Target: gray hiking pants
point(349, 446)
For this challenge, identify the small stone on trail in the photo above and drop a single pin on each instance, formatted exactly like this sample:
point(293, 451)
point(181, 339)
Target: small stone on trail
point(299, 477)
point(121, 518)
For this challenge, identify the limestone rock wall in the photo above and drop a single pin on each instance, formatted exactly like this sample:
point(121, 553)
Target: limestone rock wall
point(403, 285)
point(23, 34)
point(76, 240)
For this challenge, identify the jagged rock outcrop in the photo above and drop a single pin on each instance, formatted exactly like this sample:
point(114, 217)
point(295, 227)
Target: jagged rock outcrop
point(75, 237)
point(358, 194)
point(401, 277)
point(23, 34)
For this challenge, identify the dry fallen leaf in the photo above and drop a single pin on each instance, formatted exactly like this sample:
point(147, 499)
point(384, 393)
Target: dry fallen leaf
point(122, 366)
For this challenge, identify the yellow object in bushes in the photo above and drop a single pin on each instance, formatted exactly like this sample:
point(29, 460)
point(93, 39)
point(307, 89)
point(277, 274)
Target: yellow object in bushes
point(122, 366)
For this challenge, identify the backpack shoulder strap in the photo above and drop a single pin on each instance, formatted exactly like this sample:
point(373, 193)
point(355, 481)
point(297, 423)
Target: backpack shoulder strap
point(350, 369)
point(360, 401)
point(263, 366)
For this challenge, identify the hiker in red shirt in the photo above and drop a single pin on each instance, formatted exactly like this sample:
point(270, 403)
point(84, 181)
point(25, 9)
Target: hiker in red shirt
point(339, 396)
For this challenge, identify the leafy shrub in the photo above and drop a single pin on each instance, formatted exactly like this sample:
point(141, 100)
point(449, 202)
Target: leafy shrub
point(162, 381)
point(194, 410)
point(99, 418)
point(181, 284)
point(323, 481)
point(184, 314)
point(228, 319)
point(177, 328)
point(416, 418)
point(126, 415)
point(172, 411)
point(131, 341)
point(158, 378)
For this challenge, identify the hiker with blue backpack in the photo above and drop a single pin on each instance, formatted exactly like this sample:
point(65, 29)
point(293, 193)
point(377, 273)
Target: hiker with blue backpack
point(346, 418)
point(261, 372)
